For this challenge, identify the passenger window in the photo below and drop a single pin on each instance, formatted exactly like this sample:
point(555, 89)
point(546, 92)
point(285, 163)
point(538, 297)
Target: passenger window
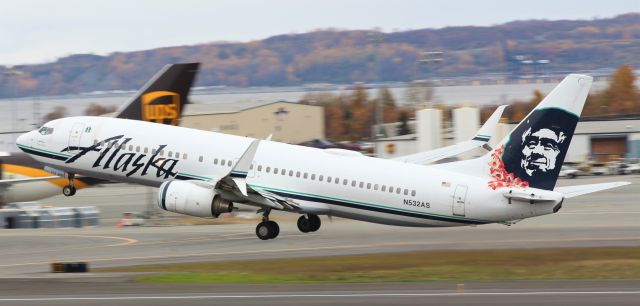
point(368, 185)
point(184, 155)
point(361, 184)
point(268, 169)
point(275, 170)
point(345, 182)
point(137, 148)
point(251, 167)
point(390, 189)
point(290, 172)
point(384, 188)
point(375, 187)
point(153, 151)
point(170, 154)
point(353, 183)
point(95, 142)
point(177, 155)
point(305, 175)
point(398, 190)
point(146, 150)
point(222, 162)
point(131, 148)
point(297, 173)
point(320, 178)
point(229, 163)
point(200, 158)
point(161, 152)
point(313, 177)
point(283, 172)
point(336, 180)
point(215, 161)
point(260, 168)
point(406, 192)
point(413, 193)
point(328, 179)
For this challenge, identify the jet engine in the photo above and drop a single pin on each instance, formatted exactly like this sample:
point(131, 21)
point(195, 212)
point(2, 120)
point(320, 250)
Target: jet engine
point(193, 199)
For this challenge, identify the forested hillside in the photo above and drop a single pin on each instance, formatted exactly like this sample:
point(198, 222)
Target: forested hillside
point(332, 56)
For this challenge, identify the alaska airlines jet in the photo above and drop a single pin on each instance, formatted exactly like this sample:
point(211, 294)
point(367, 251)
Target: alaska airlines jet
point(161, 100)
point(205, 174)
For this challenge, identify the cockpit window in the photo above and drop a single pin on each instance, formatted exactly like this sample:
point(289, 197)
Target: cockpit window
point(45, 130)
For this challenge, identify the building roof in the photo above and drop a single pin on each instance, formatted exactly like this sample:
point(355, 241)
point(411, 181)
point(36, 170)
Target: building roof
point(229, 108)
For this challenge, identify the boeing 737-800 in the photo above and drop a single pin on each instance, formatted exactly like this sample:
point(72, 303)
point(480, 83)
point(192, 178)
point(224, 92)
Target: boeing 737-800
point(205, 174)
point(161, 100)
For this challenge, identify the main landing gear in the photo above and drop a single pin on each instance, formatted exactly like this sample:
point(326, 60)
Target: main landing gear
point(309, 223)
point(267, 229)
point(70, 189)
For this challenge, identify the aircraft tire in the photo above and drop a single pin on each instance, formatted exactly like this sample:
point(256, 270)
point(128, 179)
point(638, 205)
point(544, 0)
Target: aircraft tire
point(275, 229)
point(68, 190)
point(304, 224)
point(263, 231)
point(315, 223)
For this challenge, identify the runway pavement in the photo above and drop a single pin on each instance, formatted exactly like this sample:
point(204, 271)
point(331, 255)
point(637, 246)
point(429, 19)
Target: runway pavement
point(120, 290)
point(610, 218)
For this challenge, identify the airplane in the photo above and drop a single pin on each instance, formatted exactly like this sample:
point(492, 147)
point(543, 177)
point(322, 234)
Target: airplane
point(160, 100)
point(205, 174)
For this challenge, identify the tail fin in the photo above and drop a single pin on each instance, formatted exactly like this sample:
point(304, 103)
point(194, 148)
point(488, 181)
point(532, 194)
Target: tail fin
point(162, 98)
point(533, 153)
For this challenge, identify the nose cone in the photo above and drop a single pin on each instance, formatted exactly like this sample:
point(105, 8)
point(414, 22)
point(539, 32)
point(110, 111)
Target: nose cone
point(24, 140)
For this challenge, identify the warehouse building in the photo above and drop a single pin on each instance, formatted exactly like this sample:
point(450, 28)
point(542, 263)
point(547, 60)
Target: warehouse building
point(287, 122)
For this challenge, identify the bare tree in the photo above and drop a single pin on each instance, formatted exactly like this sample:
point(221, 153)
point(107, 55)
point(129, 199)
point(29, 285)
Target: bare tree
point(57, 113)
point(96, 109)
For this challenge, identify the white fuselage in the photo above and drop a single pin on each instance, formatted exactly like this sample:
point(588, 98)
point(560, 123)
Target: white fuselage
point(331, 182)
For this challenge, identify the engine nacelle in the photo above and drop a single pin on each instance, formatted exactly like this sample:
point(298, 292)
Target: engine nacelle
point(192, 199)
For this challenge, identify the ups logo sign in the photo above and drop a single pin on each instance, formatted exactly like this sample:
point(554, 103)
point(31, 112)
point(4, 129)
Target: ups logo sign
point(161, 107)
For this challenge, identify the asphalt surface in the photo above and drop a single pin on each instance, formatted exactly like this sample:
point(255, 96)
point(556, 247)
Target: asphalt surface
point(609, 218)
point(121, 290)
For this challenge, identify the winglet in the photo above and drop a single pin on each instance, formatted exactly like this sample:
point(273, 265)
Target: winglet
point(239, 172)
point(489, 128)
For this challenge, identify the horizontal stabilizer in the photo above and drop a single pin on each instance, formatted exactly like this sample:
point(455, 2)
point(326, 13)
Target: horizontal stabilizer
point(480, 139)
point(574, 191)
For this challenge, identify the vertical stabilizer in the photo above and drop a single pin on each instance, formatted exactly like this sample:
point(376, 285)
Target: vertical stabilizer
point(533, 153)
point(162, 98)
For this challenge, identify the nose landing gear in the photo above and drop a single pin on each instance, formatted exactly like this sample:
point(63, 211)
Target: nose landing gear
point(70, 189)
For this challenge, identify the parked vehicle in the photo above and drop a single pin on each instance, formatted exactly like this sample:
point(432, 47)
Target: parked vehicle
point(570, 172)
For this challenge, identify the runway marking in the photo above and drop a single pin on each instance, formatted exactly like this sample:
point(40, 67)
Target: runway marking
point(337, 247)
point(126, 241)
point(317, 295)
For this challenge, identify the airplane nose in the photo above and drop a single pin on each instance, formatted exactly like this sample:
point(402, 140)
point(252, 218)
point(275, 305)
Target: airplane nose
point(24, 140)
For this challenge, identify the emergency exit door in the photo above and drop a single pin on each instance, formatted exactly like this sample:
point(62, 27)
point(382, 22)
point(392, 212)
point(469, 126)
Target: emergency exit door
point(459, 200)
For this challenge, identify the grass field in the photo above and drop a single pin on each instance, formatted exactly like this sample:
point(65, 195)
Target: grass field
point(518, 264)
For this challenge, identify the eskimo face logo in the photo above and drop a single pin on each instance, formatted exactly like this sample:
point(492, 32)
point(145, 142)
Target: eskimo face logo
point(536, 149)
point(540, 150)
point(161, 107)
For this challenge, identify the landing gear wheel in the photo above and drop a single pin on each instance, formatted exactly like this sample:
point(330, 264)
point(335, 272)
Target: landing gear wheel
point(315, 222)
point(304, 224)
point(267, 230)
point(69, 190)
point(275, 228)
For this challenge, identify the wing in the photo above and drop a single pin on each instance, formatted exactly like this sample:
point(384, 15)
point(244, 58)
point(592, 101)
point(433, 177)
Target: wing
point(480, 139)
point(234, 184)
point(8, 182)
point(574, 191)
